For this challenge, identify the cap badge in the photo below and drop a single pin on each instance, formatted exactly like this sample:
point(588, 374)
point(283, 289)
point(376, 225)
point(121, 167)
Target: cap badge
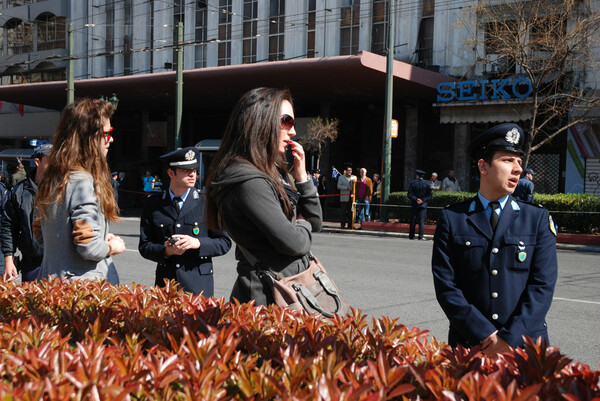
point(513, 136)
point(190, 155)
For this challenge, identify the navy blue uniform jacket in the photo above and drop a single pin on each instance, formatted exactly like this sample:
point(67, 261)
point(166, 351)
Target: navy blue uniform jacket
point(194, 269)
point(419, 188)
point(503, 282)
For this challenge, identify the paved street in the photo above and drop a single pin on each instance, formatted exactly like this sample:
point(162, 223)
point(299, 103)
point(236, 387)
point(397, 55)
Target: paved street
point(392, 277)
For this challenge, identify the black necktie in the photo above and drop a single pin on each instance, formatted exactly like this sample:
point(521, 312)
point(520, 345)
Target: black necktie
point(494, 216)
point(176, 200)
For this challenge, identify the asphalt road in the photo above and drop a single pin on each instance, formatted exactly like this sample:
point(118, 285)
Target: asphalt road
point(391, 276)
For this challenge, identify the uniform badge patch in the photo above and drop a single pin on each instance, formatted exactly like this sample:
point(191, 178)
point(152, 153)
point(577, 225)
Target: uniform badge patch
point(196, 231)
point(512, 136)
point(515, 205)
point(196, 195)
point(552, 226)
point(522, 256)
point(472, 207)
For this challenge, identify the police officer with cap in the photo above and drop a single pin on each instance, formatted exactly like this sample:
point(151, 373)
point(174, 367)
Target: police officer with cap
point(172, 229)
point(419, 193)
point(525, 186)
point(494, 257)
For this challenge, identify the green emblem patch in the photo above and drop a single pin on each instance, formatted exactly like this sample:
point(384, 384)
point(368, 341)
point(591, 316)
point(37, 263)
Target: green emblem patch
point(196, 231)
point(522, 256)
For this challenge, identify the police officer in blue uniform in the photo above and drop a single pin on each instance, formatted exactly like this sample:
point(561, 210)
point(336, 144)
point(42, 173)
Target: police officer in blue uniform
point(494, 256)
point(173, 232)
point(419, 193)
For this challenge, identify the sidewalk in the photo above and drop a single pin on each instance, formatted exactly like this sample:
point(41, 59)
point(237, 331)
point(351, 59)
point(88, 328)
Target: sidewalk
point(580, 242)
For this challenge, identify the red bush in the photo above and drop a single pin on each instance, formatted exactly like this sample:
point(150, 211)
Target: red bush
point(64, 340)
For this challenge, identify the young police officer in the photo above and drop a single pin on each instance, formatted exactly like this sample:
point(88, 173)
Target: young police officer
point(173, 232)
point(495, 284)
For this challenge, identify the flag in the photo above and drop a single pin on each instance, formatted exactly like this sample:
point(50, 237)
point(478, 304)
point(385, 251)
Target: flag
point(334, 173)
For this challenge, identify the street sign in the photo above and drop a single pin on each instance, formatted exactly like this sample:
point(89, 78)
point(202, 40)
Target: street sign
point(394, 128)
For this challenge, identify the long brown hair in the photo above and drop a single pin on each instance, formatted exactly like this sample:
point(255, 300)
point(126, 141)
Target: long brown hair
point(76, 147)
point(252, 136)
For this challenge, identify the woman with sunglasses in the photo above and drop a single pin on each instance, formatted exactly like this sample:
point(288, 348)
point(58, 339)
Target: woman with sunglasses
point(75, 198)
point(268, 205)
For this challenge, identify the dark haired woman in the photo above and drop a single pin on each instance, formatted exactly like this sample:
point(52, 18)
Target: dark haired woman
point(75, 198)
point(250, 193)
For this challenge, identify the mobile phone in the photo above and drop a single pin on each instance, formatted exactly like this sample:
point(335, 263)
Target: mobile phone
point(172, 240)
point(289, 155)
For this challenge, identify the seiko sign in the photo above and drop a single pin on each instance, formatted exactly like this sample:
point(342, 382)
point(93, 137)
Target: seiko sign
point(493, 89)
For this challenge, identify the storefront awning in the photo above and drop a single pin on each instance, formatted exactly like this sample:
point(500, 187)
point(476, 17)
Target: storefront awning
point(485, 112)
point(357, 78)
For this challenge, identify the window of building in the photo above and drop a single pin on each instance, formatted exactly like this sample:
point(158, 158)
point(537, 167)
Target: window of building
point(349, 27)
point(128, 38)
point(109, 39)
point(1, 40)
point(276, 29)
point(379, 24)
point(19, 37)
point(17, 3)
point(200, 34)
point(311, 29)
point(250, 31)
point(425, 41)
point(497, 34)
point(51, 32)
point(178, 16)
point(224, 46)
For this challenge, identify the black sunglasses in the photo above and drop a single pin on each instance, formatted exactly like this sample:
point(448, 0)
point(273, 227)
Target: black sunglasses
point(287, 122)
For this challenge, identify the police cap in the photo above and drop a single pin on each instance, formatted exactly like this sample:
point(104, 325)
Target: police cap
point(420, 172)
point(41, 151)
point(186, 158)
point(528, 171)
point(506, 136)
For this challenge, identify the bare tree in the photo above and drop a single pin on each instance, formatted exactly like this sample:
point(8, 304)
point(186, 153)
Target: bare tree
point(319, 133)
point(554, 43)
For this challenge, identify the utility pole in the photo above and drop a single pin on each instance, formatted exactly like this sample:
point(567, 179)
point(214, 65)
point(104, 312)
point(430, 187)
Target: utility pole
point(71, 68)
point(386, 156)
point(179, 91)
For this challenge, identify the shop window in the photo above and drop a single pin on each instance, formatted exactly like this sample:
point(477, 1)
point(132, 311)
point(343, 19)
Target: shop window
point(19, 37)
point(51, 32)
point(349, 27)
point(250, 31)
point(276, 29)
point(200, 32)
point(224, 33)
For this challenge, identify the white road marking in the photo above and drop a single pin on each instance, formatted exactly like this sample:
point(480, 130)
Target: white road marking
point(577, 300)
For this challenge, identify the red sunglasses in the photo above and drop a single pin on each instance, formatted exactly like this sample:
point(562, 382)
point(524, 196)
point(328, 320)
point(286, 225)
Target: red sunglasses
point(287, 122)
point(107, 134)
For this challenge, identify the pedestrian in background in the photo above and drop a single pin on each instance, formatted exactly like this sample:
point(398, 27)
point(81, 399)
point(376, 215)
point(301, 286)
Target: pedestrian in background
point(364, 190)
point(345, 184)
point(250, 192)
point(419, 193)
point(75, 198)
point(450, 183)
point(316, 173)
point(322, 191)
point(525, 186)
point(16, 231)
point(147, 182)
point(434, 182)
point(376, 198)
point(494, 257)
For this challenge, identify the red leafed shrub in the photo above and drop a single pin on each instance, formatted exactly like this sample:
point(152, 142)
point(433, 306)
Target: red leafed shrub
point(86, 340)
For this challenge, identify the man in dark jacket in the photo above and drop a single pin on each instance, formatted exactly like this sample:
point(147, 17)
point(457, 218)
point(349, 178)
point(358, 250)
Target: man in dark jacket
point(16, 232)
point(494, 257)
point(525, 186)
point(173, 232)
point(419, 193)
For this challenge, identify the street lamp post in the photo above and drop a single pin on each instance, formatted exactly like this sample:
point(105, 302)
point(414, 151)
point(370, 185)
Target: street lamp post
point(387, 134)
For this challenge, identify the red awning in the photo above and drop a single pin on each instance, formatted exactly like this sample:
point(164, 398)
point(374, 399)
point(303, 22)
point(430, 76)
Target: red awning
point(358, 78)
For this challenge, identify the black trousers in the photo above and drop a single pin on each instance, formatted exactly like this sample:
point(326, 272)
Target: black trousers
point(420, 213)
point(346, 217)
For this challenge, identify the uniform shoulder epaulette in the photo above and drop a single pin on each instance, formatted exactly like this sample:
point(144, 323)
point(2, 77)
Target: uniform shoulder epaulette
point(529, 203)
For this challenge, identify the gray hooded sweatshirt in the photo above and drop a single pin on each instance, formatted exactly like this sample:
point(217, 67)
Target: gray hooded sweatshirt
point(251, 211)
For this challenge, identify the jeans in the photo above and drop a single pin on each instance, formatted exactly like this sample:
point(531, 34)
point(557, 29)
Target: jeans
point(362, 210)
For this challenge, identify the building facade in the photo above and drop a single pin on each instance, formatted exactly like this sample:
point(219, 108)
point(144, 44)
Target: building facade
point(136, 37)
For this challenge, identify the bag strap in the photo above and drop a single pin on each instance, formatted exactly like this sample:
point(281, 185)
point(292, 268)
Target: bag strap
point(261, 272)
